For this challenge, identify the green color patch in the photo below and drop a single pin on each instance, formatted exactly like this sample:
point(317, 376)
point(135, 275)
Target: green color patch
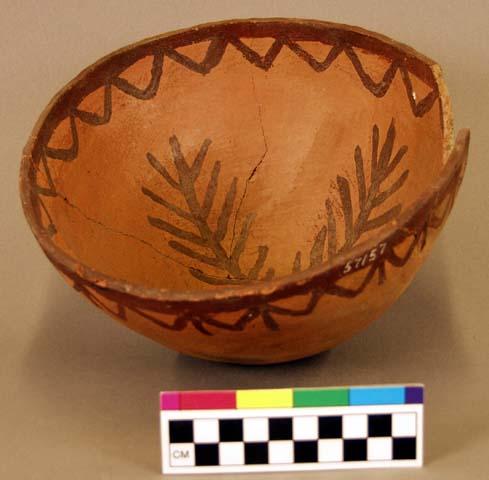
point(324, 397)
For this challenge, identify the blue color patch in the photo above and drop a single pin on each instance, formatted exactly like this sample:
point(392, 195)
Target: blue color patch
point(377, 396)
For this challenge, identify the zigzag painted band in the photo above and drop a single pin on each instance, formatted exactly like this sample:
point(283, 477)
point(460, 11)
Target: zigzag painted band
point(215, 52)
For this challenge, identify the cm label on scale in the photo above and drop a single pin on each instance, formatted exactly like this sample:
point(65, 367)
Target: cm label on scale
point(182, 455)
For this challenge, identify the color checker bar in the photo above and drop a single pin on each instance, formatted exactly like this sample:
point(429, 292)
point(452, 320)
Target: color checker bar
point(291, 398)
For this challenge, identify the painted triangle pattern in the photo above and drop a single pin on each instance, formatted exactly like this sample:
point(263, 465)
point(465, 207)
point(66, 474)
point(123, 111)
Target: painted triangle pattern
point(213, 56)
point(94, 119)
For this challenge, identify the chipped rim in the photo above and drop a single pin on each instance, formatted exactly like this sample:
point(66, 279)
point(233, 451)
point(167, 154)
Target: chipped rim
point(265, 290)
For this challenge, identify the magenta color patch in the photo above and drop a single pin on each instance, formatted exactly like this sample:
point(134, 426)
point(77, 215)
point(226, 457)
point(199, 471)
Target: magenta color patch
point(170, 401)
point(208, 400)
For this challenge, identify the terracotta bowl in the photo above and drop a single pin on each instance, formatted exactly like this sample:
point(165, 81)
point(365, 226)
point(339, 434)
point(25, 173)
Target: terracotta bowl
point(250, 191)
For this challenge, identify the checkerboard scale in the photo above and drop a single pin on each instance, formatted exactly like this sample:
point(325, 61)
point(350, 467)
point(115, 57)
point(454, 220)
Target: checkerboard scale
point(283, 438)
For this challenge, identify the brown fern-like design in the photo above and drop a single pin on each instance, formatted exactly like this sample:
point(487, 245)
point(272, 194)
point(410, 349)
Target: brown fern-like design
point(415, 230)
point(209, 238)
point(370, 197)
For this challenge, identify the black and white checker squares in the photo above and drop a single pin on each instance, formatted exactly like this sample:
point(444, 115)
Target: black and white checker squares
point(305, 439)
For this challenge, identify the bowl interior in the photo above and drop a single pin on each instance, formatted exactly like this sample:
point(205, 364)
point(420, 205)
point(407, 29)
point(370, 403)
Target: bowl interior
point(236, 153)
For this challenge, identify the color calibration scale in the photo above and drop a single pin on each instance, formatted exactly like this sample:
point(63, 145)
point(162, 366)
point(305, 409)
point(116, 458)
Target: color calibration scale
point(224, 431)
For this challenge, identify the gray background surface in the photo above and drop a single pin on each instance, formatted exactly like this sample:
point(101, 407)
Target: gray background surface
point(78, 393)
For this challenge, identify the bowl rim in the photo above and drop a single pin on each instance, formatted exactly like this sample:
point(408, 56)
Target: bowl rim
point(265, 290)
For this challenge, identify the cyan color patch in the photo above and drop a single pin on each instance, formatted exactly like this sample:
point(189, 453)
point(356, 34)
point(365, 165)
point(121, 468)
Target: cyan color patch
point(377, 396)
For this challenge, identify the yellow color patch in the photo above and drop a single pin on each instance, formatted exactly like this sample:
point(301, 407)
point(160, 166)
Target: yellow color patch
point(273, 398)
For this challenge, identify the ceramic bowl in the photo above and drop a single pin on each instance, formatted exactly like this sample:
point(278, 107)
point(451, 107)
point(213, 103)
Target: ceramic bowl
point(250, 191)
